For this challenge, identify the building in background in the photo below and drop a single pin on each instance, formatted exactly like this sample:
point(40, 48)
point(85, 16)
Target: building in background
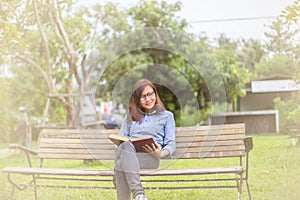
point(260, 94)
point(256, 109)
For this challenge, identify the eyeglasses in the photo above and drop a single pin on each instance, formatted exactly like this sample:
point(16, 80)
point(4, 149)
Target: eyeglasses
point(149, 94)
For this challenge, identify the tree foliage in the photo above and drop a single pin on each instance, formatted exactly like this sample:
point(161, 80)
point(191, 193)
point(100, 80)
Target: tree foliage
point(50, 43)
point(53, 48)
point(142, 51)
point(233, 69)
point(251, 52)
point(291, 13)
point(283, 50)
point(287, 64)
point(234, 77)
point(277, 66)
point(281, 38)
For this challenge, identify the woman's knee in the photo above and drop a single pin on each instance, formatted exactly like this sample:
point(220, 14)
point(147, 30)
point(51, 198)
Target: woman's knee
point(127, 146)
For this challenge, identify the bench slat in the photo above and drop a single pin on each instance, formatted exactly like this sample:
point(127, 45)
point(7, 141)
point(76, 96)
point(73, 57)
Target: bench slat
point(89, 156)
point(182, 133)
point(179, 134)
point(110, 151)
point(210, 138)
point(77, 151)
point(209, 143)
point(158, 172)
point(179, 154)
point(212, 148)
point(74, 136)
point(74, 141)
point(178, 139)
point(183, 141)
point(77, 146)
point(223, 128)
point(76, 131)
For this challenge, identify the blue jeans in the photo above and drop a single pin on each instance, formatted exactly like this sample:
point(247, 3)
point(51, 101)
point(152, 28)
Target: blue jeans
point(127, 166)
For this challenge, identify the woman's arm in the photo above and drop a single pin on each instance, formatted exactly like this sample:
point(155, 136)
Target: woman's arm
point(124, 128)
point(169, 140)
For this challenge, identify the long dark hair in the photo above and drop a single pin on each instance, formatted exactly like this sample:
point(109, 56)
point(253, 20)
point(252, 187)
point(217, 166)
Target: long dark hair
point(134, 108)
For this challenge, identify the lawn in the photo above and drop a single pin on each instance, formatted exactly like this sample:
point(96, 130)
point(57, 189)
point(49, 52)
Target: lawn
point(274, 175)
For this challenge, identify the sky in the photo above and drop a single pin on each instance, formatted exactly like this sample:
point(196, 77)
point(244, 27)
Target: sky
point(213, 17)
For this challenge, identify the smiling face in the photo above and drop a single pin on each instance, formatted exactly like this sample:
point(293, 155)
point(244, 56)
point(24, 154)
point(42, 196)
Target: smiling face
point(147, 99)
point(143, 99)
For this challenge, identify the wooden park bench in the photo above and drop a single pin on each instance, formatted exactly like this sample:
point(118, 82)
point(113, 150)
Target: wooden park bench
point(217, 141)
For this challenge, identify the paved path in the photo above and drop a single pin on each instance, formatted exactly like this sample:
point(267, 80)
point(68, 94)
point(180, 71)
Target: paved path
point(4, 151)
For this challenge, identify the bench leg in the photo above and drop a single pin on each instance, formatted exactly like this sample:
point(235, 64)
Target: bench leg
point(239, 182)
point(35, 193)
point(13, 187)
point(248, 189)
point(12, 193)
point(21, 188)
point(35, 187)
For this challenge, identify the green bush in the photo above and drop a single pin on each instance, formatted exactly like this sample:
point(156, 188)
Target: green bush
point(289, 111)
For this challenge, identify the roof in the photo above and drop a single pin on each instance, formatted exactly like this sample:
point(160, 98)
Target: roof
point(273, 86)
point(276, 77)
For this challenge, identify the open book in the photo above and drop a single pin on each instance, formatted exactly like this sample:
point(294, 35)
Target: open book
point(137, 142)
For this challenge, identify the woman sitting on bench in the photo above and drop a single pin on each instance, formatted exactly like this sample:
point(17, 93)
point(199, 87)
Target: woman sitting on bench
point(146, 116)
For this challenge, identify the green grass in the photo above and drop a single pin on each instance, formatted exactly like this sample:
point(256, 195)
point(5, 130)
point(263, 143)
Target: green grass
point(3, 146)
point(274, 174)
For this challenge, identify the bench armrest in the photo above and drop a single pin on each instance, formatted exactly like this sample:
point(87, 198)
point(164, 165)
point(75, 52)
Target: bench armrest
point(22, 148)
point(248, 144)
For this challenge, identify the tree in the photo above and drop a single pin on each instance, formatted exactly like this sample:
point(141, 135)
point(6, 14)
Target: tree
point(70, 47)
point(283, 50)
point(279, 65)
point(145, 49)
point(289, 108)
point(291, 16)
point(289, 111)
point(250, 53)
point(226, 43)
point(291, 13)
point(52, 45)
point(6, 116)
point(234, 75)
point(281, 38)
point(143, 60)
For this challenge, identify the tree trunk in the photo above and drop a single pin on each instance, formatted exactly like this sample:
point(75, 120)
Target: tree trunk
point(69, 104)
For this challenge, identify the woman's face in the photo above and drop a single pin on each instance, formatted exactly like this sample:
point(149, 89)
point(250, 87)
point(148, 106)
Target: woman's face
point(148, 99)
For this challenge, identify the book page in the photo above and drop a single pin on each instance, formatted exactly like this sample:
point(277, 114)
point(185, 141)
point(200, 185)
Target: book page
point(117, 139)
point(137, 142)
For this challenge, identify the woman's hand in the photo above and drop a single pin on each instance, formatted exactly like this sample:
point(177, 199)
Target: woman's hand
point(154, 150)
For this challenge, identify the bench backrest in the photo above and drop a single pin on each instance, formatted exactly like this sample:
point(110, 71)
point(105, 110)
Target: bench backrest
point(191, 142)
point(83, 144)
point(210, 141)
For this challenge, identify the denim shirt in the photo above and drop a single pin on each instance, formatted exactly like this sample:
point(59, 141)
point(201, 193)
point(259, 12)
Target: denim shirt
point(161, 126)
